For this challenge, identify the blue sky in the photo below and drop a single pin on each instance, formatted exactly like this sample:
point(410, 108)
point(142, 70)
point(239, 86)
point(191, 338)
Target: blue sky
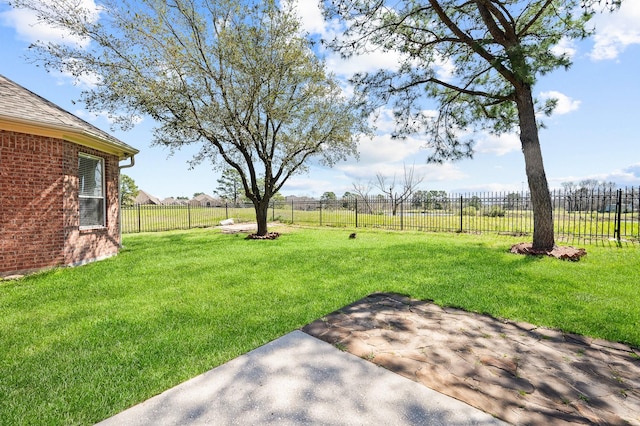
point(594, 133)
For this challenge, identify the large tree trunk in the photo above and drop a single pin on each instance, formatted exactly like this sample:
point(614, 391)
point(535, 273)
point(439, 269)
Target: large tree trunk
point(543, 238)
point(262, 214)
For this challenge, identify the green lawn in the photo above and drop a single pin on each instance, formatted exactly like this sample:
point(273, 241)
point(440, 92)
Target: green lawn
point(81, 344)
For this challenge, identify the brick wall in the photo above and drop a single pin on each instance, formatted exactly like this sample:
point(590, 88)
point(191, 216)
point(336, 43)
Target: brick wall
point(39, 205)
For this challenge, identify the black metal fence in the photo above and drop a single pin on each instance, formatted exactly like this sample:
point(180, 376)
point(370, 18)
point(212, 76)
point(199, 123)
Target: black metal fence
point(578, 215)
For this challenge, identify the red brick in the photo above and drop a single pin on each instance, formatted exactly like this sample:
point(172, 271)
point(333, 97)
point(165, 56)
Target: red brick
point(39, 220)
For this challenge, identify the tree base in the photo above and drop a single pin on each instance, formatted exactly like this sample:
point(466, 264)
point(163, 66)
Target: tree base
point(563, 253)
point(269, 236)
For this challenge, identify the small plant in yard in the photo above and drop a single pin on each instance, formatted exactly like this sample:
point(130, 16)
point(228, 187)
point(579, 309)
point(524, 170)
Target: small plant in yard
point(340, 346)
point(617, 377)
point(583, 398)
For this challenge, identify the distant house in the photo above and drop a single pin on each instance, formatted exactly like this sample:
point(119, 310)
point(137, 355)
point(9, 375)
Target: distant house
point(58, 185)
point(147, 199)
point(203, 200)
point(173, 202)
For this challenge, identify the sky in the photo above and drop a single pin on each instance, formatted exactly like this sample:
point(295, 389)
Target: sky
point(593, 133)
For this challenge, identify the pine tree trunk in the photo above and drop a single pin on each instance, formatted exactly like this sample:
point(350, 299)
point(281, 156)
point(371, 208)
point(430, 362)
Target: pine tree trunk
point(543, 236)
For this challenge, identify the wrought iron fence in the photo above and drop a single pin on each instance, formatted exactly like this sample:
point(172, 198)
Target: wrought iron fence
point(578, 215)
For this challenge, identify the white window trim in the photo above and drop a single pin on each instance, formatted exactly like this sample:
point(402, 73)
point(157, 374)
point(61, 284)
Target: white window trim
point(104, 196)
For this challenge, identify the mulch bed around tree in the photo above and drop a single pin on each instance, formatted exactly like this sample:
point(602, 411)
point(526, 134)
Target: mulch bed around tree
point(269, 236)
point(564, 253)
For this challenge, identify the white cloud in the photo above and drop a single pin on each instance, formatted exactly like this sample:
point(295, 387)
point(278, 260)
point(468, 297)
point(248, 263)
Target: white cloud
point(90, 116)
point(383, 120)
point(306, 186)
point(566, 47)
point(445, 68)
point(30, 29)
point(446, 172)
point(615, 31)
point(491, 187)
point(565, 104)
point(312, 20)
point(440, 173)
point(430, 173)
point(628, 176)
point(632, 171)
point(368, 62)
point(384, 149)
point(83, 81)
point(498, 145)
point(341, 179)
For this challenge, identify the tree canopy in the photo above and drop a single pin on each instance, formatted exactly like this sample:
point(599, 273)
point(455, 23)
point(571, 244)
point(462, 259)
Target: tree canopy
point(128, 190)
point(495, 50)
point(229, 185)
point(236, 78)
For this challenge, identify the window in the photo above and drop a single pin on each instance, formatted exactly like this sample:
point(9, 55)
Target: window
point(91, 191)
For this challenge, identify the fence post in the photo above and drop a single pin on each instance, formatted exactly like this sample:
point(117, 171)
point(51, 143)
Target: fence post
point(320, 212)
point(292, 212)
point(461, 200)
point(139, 227)
point(618, 218)
point(402, 215)
point(226, 210)
point(189, 214)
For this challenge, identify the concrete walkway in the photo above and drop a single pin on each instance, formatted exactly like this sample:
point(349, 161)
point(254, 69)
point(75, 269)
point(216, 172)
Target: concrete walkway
point(298, 379)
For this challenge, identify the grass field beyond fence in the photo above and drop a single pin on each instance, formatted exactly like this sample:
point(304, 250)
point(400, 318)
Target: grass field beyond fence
point(82, 344)
point(591, 217)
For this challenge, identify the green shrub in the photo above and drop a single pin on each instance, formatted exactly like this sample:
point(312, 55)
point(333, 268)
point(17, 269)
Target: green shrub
point(494, 211)
point(470, 211)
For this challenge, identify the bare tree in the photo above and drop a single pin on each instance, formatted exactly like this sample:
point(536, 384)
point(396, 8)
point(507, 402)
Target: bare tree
point(363, 190)
point(408, 185)
point(588, 194)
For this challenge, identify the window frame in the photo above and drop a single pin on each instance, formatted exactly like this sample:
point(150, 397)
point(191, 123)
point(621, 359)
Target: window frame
point(103, 197)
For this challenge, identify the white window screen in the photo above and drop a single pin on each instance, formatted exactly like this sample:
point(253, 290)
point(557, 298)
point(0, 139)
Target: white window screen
point(91, 191)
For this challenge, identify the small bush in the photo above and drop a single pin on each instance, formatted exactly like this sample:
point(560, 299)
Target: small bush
point(470, 211)
point(495, 211)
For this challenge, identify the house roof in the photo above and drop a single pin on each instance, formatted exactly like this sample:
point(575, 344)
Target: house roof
point(173, 202)
point(203, 197)
point(202, 200)
point(23, 111)
point(146, 198)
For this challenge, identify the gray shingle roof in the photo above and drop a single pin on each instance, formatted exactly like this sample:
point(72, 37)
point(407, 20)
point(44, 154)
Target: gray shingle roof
point(146, 198)
point(20, 105)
